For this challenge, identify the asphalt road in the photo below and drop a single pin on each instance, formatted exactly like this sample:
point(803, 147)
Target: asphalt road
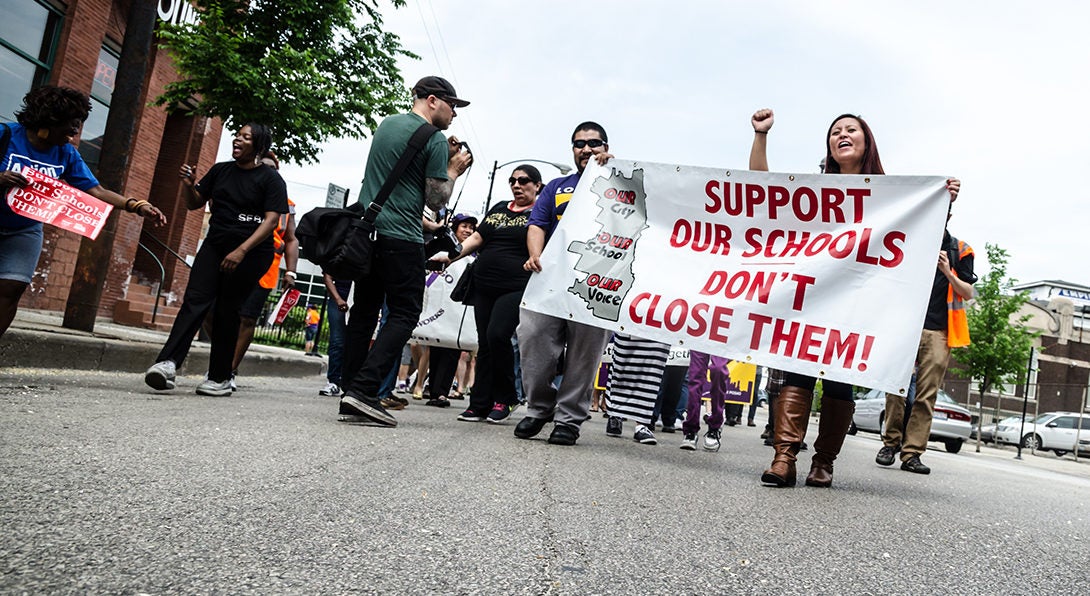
point(108, 488)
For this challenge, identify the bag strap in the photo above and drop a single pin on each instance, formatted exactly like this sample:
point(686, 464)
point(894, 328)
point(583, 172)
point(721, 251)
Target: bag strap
point(416, 143)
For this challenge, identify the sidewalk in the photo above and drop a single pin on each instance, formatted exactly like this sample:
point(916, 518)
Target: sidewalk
point(36, 339)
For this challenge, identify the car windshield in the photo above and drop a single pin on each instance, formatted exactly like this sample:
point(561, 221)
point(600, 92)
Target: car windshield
point(1042, 418)
point(944, 397)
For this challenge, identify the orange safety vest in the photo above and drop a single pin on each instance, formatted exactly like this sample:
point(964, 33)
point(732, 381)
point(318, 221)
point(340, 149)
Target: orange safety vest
point(957, 322)
point(268, 281)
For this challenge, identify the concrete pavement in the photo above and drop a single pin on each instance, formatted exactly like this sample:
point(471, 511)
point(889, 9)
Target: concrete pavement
point(36, 339)
point(112, 488)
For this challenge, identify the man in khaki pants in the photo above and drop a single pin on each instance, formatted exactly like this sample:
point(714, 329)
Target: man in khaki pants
point(945, 327)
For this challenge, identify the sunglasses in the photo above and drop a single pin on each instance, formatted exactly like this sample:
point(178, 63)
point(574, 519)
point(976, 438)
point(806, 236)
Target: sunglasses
point(592, 143)
point(520, 180)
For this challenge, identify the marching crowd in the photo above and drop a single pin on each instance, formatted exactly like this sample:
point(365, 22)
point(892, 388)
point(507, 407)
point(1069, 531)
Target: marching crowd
point(546, 363)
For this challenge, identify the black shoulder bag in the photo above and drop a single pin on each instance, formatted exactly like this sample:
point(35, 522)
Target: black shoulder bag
point(340, 241)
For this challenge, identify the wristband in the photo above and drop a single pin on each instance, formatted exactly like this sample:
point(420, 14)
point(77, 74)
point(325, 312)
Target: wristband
point(760, 132)
point(291, 273)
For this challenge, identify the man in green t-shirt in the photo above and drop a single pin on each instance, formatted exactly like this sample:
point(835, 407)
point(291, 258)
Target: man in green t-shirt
point(397, 274)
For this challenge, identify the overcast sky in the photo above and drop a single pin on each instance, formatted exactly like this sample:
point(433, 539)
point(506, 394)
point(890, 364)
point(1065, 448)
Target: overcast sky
point(994, 93)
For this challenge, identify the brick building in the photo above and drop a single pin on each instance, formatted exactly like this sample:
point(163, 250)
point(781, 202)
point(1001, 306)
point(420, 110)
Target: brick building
point(76, 43)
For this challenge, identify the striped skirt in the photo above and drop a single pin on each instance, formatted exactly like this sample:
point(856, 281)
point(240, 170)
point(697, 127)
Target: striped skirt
point(635, 377)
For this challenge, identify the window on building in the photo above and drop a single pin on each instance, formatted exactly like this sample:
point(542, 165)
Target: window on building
point(102, 89)
point(28, 40)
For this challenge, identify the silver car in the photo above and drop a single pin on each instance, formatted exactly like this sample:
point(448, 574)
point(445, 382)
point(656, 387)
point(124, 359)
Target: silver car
point(951, 423)
point(1051, 431)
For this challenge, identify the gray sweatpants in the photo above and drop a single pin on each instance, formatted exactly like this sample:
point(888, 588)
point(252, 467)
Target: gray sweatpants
point(542, 339)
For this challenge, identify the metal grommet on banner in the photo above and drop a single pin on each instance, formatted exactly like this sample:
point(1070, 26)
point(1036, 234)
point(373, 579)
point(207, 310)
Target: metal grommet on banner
point(791, 178)
point(821, 373)
point(867, 180)
point(622, 327)
point(728, 172)
point(749, 358)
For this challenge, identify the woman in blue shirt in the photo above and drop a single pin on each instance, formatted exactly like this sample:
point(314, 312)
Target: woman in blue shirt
point(51, 117)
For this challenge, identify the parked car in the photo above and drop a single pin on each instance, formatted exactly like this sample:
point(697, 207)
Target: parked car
point(951, 423)
point(1051, 431)
point(988, 431)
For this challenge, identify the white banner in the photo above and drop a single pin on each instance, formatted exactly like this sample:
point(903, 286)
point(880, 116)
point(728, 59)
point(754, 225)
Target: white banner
point(826, 275)
point(444, 322)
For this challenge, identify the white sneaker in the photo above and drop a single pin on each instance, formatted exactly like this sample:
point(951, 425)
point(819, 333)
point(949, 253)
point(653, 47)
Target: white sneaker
point(213, 389)
point(689, 442)
point(330, 389)
point(711, 440)
point(160, 375)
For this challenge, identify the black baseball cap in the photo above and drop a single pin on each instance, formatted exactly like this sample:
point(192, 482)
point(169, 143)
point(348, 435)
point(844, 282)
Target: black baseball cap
point(439, 87)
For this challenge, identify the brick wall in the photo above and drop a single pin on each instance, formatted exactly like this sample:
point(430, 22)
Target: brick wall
point(87, 24)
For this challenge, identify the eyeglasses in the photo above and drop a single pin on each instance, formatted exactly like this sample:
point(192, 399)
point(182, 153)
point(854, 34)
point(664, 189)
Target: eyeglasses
point(592, 143)
point(520, 180)
point(448, 102)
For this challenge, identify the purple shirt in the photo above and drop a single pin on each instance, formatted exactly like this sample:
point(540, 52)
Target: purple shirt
point(552, 202)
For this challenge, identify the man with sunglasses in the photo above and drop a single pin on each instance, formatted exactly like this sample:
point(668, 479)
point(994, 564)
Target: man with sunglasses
point(397, 275)
point(543, 339)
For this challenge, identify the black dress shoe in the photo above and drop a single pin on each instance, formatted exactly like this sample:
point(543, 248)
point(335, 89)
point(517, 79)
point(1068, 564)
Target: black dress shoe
point(564, 434)
point(914, 465)
point(528, 427)
point(886, 455)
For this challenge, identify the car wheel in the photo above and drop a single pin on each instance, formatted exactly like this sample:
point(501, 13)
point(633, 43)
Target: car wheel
point(852, 428)
point(1031, 441)
point(953, 445)
point(1059, 452)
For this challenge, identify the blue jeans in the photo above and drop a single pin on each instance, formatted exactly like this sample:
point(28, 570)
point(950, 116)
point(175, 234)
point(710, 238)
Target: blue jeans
point(337, 328)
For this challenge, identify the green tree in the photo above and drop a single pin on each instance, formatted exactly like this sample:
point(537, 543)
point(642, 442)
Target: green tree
point(312, 69)
point(999, 351)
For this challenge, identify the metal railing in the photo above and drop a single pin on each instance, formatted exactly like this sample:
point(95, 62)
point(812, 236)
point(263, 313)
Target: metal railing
point(162, 269)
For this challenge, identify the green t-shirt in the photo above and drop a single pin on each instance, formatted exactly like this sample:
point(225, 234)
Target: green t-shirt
point(400, 217)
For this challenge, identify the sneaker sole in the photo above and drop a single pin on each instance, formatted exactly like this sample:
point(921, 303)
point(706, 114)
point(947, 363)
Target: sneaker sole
point(711, 449)
point(687, 447)
point(369, 412)
point(158, 381)
point(647, 441)
point(213, 392)
point(495, 421)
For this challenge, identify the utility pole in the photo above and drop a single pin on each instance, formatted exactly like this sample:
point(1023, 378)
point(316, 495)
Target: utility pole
point(93, 262)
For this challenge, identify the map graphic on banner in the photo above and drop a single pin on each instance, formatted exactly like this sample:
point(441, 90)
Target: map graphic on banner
point(822, 274)
point(607, 258)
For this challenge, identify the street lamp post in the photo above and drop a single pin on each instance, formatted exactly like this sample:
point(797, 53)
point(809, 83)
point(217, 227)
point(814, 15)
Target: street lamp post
point(496, 165)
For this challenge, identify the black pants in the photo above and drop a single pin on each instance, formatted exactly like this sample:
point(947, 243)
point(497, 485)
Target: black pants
point(497, 316)
point(442, 364)
point(210, 288)
point(670, 394)
point(396, 278)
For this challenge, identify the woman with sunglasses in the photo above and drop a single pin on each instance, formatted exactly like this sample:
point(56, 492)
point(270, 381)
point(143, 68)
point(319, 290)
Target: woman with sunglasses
point(498, 283)
point(850, 148)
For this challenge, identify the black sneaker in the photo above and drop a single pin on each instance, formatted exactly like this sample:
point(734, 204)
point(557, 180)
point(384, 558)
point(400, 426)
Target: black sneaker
point(669, 428)
point(914, 465)
point(437, 403)
point(644, 435)
point(529, 427)
point(614, 426)
point(564, 434)
point(886, 455)
point(470, 415)
point(500, 412)
point(358, 405)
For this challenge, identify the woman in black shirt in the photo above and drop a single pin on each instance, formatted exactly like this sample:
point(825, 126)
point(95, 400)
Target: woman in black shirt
point(498, 283)
point(246, 199)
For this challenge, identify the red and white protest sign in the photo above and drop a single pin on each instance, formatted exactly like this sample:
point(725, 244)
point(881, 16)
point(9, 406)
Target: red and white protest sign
point(825, 275)
point(288, 300)
point(51, 201)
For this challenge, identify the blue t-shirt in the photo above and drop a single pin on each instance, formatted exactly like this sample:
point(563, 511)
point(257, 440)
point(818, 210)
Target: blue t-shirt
point(60, 161)
point(552, 202)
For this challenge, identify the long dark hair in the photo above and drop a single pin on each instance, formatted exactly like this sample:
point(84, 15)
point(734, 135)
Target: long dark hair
point(872, 164)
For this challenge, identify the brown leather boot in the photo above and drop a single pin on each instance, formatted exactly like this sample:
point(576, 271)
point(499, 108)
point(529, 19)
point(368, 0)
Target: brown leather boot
point(836, 418)
point(792, 413)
